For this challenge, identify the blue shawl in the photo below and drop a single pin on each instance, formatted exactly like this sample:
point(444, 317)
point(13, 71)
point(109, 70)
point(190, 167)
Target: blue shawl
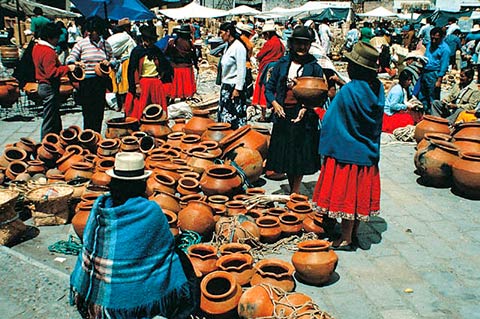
point(352, 125)
point(128, 267)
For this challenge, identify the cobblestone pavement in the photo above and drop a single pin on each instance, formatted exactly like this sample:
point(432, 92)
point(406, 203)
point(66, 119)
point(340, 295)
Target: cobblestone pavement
point(425, 239)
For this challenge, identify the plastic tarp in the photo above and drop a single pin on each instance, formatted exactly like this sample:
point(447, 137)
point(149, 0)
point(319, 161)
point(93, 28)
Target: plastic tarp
point(332, 14)
point(379, 12)
point(193, 10)
point(28, 6)
point(116, 9)
point(243, 10)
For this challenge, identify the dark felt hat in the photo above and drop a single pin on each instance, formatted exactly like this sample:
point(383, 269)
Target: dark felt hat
point(148, 32)
point(185, 28)
point(302, 33)
point(364, 54)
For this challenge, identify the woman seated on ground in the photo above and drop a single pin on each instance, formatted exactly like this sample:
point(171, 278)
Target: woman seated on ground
point(129, 266)
point(399, 112)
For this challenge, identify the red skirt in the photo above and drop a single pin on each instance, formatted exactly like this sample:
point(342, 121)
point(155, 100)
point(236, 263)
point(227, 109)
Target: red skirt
point(348, 191)
point(392, 122)
point(152, 93)
point(183, 84)
point(259, 93)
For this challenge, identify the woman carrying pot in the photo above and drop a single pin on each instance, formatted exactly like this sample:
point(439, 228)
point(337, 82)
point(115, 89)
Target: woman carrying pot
point(293, 145)
point(148, 69)
point(349, 183)
point(129, 266)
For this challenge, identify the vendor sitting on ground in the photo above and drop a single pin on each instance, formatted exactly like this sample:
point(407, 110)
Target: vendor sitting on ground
point(463, 96)
point(398, 111)
point(469, 116)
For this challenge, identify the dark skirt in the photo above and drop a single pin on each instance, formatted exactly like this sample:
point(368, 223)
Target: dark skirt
point(294, 146)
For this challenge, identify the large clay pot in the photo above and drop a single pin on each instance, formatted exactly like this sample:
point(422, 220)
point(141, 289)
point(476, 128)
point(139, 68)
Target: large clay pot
point(466, 174)
point(425, 142)
point(239, 265)
point(203, 257)
point(275, 272)
point(217, 131)
point(295, 302)
point(314, 261)
point(166, 201)
point(179, 125)
point(309, 90)
point(467, 144)
point(436, 163)
point(197, 216)
point(221, 179)
point(156, 128)
point(249, 160)
point(431, 124)
point(12, 154)
point(79, 220)
point(469, 129)
point(269, 227)
point(198, 123)
point(199, 161)
point(121, 126)
point(248, 137)
point(80, 169)
point(160, 182)
point(256, 302)
point(153, 112)
point(100, 177)
point(220, 294)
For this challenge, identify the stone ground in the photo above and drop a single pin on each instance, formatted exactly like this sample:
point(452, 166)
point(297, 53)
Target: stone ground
point(425, 239)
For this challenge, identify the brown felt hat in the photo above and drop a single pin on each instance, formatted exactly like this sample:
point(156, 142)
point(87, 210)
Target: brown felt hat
point(364, 54)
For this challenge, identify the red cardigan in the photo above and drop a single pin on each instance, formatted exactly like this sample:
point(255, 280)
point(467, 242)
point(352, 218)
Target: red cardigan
point(272, 51)
point(47, 66)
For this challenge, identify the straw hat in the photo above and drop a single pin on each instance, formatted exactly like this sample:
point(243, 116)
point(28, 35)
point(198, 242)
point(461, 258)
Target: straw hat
point(269, 26)
point(365, 55)
point(124, 21)
point(244, 27)
point(475, 28)
point(129, 166)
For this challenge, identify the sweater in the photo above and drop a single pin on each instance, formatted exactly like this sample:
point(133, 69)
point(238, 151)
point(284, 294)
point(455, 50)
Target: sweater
point(395, 101)
point(272, 51)
point(233, 64)
point(47, 66)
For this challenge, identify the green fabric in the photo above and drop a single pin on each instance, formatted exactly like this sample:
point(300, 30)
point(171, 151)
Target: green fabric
point(38, 23)
point(367, 34)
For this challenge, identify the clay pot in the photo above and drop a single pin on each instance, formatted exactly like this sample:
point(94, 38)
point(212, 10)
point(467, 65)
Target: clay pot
point(290, 224)
point(146, 144)
point(314, 224)
point(9, 91)
point(310, 91)
point(100, 177)
point(239, 265)
point(79, 186)
point(296, 198)
point(234, 248)
point(80, 169)
point(79, 220)
point(96, 190)
point(172, 221)
point(203, 257)
point(249, 160)
point(255, 191)
point(275, 272)
point(198, 123)
point(264, 131)
point(247, 231)
point(68, 136)
point(221, 179)
point(199, 161)
point(77, 75)
point(466, 174)
point(28, 145)
point(467, 130)
point(65, 90)
point(431, 124)
point(197, 216)
point(48, 153)
point(314, 261)
point(166, 201)
point(129, 144)
point(435, 163)
point(193, 175)
point(121, 126)
point(220, 294)
point(248, 137)
point(425, 142)
point(235, 207)
point(139, 134)
point(216, 131)
point(295, 302)
point(89, 139)
point(184, 200)
point(212, 147)
point(56, 178)
point(65, 162)
point(160, 182)
point(156, 128)
point(175, 138)
point(256, 302)
point(301, 209)
point(54, 139)
point(276, 211)
point(102, 70)
point(188, 186)
point(188, 153)
point(467, 144)
point(255, 213)
point(269, 227)
point(11, 154)
point(168, 168)
point(189, 141)
point(36, 167)
point(153, 112)
point(108, 147)
point(15, 168)
point(179, 125)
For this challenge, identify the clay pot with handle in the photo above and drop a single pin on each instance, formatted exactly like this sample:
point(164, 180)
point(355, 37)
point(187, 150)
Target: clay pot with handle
point(310, 91)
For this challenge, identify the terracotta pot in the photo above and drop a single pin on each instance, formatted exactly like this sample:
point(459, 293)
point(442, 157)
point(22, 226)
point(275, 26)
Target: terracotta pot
point(36, 167)
point(216, 131)
point(290, 224)
point(65, 162)
point(139, 134)
point(80, 169)
point(89, 139)
point(235, 207)
point(269, 227)
point(156, 128)
point(247, 231)
point(102, 70)
point(256, 302)
point(65, 90)
point(175, 138)
point(166, 201)
point(179, 125)
point(184, 200)
point(48, 153)
point(296, 198)
point(160, 182)
point(197, 216)
point(431, 124)
point(152, 161)
point(248, 137)
point(212, 147)
point(309, 90)
point(264, 131)
point(301, 209)
point(314, 224)
point(28, 145)
point(255, 191)
point(249, 160)
point(168, 168)
point(97, 190)
point(199, 161)
point(153, 112)
point(172, 221)
point(198, 123)
point(467, 130)
point(15, 168)
point(188, 186)
point(425, 142)
point(146, 144)
point(189, 141)
point(56, 178)
point(255, 213)
point(275, 272)
point(68, 136)
point(221, 179)
point(100, 177)
point(79, 186)
point(239, 265)
point(314, 261)
point(79, 220)
point(276, 211)
point(77, 75)
point(234, 248)
point(108, 147)
point(129, 144)
point(121, 126)
point(295, 302)
point(54, 139)
point(11, 154)
point(466, 174)
point(203, 257)
point(9, 91)
point(193, 175)
point(188, 153)
point(436, 163)
point(220, 294)
point(467, 144)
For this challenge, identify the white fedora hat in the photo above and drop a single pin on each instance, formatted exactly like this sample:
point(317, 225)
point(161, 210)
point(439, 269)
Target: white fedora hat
point(475, 28)
point(129, 166)
point(269, 26)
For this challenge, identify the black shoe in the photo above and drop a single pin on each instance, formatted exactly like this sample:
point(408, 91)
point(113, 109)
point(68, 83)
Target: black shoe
point(347, 247)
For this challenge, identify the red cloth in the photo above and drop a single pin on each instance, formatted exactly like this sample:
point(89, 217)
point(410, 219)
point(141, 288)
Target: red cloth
point(320, 112)
point(348, 191)
point(47, 65)
point(258, 97)
point(152, 93)
point(400, 119)
point(183, 85)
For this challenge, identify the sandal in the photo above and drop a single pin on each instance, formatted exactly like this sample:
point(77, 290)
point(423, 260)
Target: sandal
point(345, 247)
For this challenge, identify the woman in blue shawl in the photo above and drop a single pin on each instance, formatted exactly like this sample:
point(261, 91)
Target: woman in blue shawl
point(129, 267)
point(349, 183)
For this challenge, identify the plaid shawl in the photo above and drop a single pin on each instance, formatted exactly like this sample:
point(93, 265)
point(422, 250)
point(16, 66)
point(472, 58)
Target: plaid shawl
point(128, 267)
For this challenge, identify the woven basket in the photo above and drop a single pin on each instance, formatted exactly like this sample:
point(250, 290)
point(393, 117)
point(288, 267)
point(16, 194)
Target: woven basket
point(49, 204)
point(10, 226)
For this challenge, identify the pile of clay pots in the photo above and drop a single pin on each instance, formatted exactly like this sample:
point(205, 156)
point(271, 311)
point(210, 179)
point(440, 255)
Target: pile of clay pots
point(449, 157)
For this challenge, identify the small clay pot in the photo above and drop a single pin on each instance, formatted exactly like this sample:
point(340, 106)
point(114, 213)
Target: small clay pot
point(129, 144)
point(235, 207)
point(100, 177)
point(188, 186)
point(15, 168)
point(239, 265)
point(102, 70)
point(290, 224)
point(153, 112)
point(12, 154)
point(301, 209)
point(121, 126)
point(275, 272)
point(36, 167)
point(269, 227)
point(178, 126)
point(160, 182)
point(108, 147)
point(220, 294)
point(175, 138)
point(68, 136)
point(203, 257)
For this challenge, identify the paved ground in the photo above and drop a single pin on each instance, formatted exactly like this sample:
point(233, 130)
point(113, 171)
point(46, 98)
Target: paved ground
point(426, 239)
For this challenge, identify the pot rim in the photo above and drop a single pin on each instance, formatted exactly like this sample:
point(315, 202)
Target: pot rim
point(218, 274)
point(219, 126)
point(274, 262)
point(238, 133)
point(471, 156)
point(182, 180)
point(213, 251)
point(446, 146)
point(436, 119)
point(270, 218)
point(247, 260)
point(231, 170)
point(224, 248)
point(289, 222)
point(314, 245)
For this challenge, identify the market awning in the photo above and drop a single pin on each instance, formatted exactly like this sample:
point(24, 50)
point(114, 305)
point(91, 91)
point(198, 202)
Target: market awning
point(116, 9)
point(332, 14)
point(28, 6)
point(243, 10)
point(193, 10)
point(379, 12)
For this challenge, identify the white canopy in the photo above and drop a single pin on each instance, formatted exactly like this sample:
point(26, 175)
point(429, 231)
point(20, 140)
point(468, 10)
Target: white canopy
point(379, 12)
point(243, 10)
point(193, 10)
point(408, 16)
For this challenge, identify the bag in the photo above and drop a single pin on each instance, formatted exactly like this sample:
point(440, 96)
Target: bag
point(25, 70)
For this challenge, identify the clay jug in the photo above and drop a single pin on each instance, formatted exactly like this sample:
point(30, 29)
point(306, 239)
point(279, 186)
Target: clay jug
point(216, 131)
point(108, 147)
point(156, 128)
point(100, 177)
point(269, 227)
point(295, 302)
point(290, 224)
point(257, 302)
point(175, 138)
point(436, 163)
point(221, 179)
point(425, 142)
point(314, 261)
point(275, 272)
point(153, 112)
point(80, 169)
point(197, 216)
point(469, 129)
point(198, 123)
point(121, 126)
point(220, 294)
point(431, 124)
point(166, 201)
point(239, 265)
point(203, 257)
point(249, 160)
point(172, 221)
point(160, 182)
point(466, 174)
point(179, 125)
point(248, 137)
point(188, 186)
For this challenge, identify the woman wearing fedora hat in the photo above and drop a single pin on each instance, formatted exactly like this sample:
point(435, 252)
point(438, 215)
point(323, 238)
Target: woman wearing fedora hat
point(182, 54)
point(129, 266)
point(349, 183)
point(293, 145)
point(148, 69)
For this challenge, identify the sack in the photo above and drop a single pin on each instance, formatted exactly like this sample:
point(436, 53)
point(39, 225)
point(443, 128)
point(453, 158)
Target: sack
point(25, 71)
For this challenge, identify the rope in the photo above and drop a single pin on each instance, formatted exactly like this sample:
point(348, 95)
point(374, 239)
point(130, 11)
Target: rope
point(70, 247)
point(405, 134)
point(188, 238)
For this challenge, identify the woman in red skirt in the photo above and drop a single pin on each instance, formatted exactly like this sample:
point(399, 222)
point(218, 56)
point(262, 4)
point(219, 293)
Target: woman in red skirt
point(349, 182)
point(147, 71)
point(182, 54)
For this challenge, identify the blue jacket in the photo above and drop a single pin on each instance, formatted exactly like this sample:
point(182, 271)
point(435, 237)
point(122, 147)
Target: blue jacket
point(439, 59)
